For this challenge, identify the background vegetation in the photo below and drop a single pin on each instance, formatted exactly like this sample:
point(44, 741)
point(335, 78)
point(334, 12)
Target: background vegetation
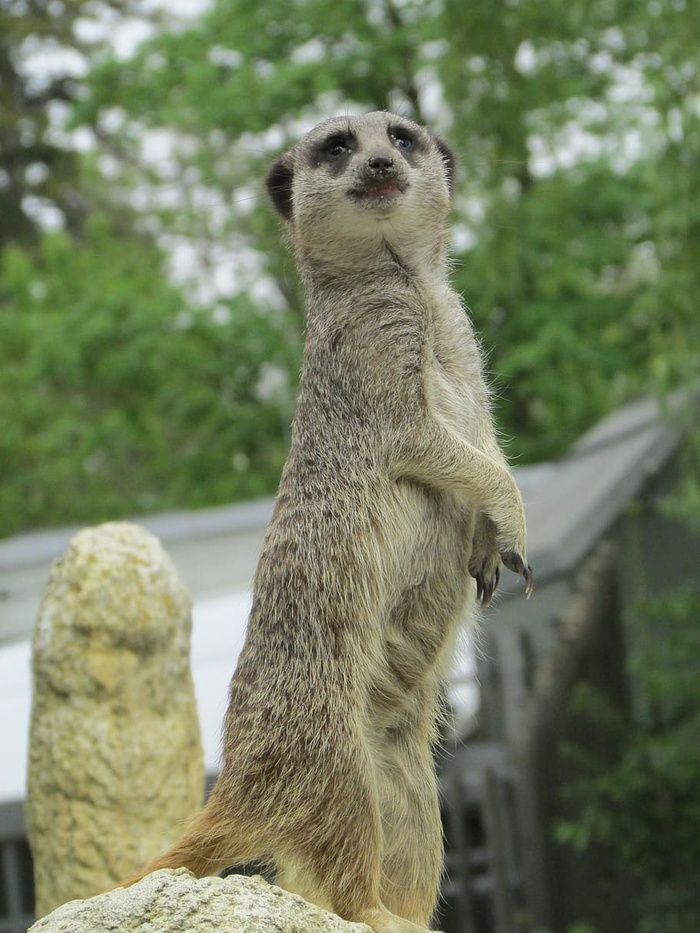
point(149, 316)
point(645, 810)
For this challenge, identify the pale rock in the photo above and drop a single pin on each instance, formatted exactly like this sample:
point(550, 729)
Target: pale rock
point(115, 757)
point(170, 901)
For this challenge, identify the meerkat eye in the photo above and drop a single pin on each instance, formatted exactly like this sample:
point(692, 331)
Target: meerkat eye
point(336, 147)
point(402, 139)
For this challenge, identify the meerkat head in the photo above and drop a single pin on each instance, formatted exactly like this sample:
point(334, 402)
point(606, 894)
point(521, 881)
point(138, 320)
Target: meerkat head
point(354, 182)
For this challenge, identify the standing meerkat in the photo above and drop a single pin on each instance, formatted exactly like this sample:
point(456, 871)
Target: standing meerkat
point(395, 511)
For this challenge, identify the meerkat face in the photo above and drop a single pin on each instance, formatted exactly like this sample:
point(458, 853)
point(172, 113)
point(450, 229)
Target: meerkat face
point(354, 179)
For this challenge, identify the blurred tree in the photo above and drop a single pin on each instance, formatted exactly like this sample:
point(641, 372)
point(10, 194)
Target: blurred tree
point(576, 208)
point(42, 57)
point(117, 397)
point(574, 215)
point(648, 804)
point(118, 394)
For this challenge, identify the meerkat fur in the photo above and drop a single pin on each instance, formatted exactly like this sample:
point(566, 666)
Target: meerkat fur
point(395, 512)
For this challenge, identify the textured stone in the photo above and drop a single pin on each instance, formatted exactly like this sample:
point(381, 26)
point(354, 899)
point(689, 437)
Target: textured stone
point(176, 902)
point(115, 757)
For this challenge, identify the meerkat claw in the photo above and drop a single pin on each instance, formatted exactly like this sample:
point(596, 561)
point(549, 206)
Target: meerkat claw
point(486, 587)
point(513, 561)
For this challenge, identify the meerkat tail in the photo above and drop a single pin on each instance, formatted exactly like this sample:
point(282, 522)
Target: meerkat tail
point(210, 844)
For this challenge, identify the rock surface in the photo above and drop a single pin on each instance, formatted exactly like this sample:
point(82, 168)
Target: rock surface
point(115, 757)
point(176, 902)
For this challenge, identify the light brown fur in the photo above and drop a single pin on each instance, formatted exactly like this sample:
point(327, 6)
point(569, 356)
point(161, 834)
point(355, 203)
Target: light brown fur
point(394, 497)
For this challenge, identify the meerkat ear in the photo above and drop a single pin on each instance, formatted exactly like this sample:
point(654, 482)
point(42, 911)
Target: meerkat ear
point(448, 158)
point(279, 186)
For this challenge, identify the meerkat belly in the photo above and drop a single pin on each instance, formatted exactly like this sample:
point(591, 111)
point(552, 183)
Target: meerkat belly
point(427, 541)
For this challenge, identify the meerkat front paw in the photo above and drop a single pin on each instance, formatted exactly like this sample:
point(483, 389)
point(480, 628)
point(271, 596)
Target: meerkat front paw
point(509, 527)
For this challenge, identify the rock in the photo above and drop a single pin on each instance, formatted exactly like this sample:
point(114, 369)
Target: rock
point(115, 757)
point(176, 902)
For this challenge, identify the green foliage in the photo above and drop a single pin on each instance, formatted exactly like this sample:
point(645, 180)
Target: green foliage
point(580, 278)
point(646, 809)
point(565, 348)
point(39, 170)
point(684, 502)
point(116, 397)
point(580, 270)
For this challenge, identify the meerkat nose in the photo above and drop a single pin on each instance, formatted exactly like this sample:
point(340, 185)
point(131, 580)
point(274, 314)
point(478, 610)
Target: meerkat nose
point(380, 163)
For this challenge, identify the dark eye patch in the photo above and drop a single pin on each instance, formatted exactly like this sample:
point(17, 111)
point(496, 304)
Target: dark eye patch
point(335, 147)
point(402, 138)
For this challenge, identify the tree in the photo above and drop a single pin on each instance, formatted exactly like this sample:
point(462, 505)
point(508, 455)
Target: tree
point(575, 209)
point(42, 57)
point(118, 393)
point(645, 809)
point(560, 256)
point(119, 397)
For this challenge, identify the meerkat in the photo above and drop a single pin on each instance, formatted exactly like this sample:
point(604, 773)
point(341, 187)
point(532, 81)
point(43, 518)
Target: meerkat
point(395, 511)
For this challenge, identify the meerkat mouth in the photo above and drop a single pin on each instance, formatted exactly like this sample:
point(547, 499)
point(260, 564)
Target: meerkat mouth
point(370, 192)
